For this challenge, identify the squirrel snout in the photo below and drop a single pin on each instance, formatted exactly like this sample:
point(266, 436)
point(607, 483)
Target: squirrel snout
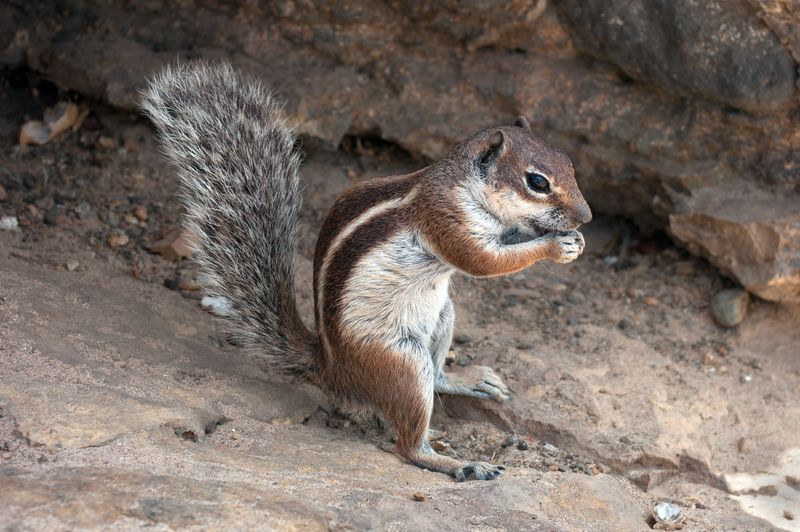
point(585, 215)
point(582, 214)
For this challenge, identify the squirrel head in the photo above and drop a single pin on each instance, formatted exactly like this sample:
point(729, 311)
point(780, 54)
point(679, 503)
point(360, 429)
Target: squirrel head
point(523, 182)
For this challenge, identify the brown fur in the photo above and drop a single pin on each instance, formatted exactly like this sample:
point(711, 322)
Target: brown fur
point(361, 374)
point(446, 236)
point(353, 203)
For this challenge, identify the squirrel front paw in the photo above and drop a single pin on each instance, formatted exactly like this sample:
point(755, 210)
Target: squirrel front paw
point(568, 246)
point(474, 381)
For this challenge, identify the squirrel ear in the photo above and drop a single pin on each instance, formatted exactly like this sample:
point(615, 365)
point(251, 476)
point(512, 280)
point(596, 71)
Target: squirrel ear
point(493, 151)
point(522, 122)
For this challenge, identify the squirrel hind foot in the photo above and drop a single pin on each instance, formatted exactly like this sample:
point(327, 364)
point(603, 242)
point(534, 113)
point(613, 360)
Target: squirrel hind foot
point(479, 471)
point(427, 458)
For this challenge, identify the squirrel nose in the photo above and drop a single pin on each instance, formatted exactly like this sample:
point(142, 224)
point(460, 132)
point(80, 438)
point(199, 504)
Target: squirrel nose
point(583, 214)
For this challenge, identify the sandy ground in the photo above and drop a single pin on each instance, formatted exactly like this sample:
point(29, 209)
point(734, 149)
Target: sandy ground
point(120, 403)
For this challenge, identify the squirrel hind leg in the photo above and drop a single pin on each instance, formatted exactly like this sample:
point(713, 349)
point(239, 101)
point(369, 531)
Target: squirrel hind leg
point(408, 406)
point(357, 412)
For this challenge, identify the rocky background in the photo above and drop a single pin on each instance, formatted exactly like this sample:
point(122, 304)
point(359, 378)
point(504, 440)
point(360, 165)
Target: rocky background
point(680, 115)
point(122, 406)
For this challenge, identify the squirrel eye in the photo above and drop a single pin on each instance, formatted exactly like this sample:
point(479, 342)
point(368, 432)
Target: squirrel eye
point(537, 182)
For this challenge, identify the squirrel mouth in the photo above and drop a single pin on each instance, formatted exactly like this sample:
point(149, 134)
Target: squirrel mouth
point(518, 235)
point(526, 231)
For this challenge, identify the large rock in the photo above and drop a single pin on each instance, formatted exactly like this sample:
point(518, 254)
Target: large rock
point(426, 76)
point(715, 49)
point(750, 235)
point(781, 16)
point(115, 70)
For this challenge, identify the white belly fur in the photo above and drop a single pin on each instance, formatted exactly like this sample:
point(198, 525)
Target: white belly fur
point(396, 295)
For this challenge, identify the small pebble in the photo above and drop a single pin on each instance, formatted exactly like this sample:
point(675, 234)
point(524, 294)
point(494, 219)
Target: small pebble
point(746, 378)
point(111, 218)
point(174, 246)
point(464, 360)
point(83, 210)
point(34, 132)
point(419, 496)
point(72, 265)
point(188, 283)
point(635, 293)
point(729, 307)
point(56, 120)
point(61, 117)
point(117, 239)
point(46, 202)
point(107, 142)
point(651, 301)
point(550, 448)
point(140, 212)
point(522, 445)
point(9, 223)
point(53, 216)
point(66, 194)
point(511, 440)
point(665, 511)
point(462, 339)
point(667, 516)
point(575, 298)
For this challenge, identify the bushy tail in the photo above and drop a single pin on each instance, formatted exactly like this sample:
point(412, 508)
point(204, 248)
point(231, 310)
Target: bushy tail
point(238, 164)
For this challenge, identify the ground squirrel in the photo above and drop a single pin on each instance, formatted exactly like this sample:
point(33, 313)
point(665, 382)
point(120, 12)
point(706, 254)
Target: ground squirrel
point(495, 204)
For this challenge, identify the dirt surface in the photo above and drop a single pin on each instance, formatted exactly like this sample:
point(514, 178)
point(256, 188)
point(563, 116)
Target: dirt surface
point(121, 405)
